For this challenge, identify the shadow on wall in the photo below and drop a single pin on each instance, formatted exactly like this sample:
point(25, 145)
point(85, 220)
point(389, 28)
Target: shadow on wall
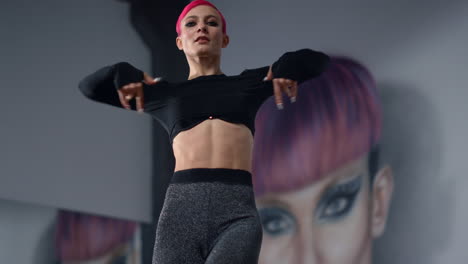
point(45, 247)
point(419, 226)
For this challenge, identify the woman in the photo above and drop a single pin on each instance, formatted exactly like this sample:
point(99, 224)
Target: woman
point(209, 213)
point(335, 199)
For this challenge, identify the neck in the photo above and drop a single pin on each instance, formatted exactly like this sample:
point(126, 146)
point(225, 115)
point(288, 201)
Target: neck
point(201, 66)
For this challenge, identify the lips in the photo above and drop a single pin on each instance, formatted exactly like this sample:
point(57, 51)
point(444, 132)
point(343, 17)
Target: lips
point(202, 38)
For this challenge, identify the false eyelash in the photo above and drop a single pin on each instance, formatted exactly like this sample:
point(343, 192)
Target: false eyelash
point(349, 190)
point(344, 188)
point(274, 214)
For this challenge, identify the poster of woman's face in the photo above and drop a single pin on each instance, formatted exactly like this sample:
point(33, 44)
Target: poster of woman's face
point(322, 193)
point(82, 238)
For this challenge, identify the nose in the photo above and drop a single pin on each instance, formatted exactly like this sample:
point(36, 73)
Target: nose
point(202, 27)
point(306, 245)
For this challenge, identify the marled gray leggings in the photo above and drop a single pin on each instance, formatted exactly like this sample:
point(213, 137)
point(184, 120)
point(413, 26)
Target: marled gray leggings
point(209, 216)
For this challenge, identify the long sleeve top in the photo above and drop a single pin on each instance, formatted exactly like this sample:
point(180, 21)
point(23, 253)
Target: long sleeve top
point(179, 106)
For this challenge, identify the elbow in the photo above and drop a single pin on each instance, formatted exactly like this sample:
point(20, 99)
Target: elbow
point(324, 61)
point(86, 89)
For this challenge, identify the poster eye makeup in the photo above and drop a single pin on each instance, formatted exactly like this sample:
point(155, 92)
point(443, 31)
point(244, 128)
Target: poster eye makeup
point(338, 200)
point(276, 221)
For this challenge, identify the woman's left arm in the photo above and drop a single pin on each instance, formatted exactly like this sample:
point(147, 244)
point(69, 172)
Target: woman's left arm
point(293, 68)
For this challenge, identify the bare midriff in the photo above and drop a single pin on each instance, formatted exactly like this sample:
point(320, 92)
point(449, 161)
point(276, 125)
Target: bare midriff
point(214, 143)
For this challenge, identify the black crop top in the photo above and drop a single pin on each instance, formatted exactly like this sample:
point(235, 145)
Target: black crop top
point(181, 106)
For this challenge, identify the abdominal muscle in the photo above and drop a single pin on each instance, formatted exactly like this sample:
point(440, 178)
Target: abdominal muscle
point(214, 143)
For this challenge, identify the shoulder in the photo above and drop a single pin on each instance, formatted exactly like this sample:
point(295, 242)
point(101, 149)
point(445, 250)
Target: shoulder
point(256, 73)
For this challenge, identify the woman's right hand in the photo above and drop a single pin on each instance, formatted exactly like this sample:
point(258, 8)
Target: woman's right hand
point(135, 90)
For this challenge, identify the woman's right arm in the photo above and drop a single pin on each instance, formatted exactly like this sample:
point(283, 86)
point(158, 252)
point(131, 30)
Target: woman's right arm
point(116, 85)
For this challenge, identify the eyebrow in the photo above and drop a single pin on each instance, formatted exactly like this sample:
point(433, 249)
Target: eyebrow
point(208, 16)
point(346, 179)
point(352, 184)
point(273, 201)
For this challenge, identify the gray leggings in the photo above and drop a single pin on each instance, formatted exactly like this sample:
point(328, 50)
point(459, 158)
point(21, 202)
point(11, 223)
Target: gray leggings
point(209, 216)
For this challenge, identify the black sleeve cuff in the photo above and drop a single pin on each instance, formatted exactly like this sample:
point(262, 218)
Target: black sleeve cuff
point(300, 65)
point(125, 73)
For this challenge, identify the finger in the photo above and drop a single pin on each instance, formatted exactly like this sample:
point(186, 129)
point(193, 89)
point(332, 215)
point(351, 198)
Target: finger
point(286, 86)
point(283, 84)
point(130, 90)
point(269, 75)
point(139, 100)
point(290, 89)
point(124, 102)
point(277, 94)
point(294, 92)
point(128, 93)
point(286, 90)
point(148, 79)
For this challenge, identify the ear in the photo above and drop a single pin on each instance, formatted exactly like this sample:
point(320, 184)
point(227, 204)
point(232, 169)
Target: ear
point(179, 43)
point(225, 41)
point(382, 191)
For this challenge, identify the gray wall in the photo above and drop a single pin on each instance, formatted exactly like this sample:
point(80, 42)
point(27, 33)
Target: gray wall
point(417, 53)
point(26, 233)
point(58, 148)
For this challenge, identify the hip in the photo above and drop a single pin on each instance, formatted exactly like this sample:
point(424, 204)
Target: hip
point(214, 190)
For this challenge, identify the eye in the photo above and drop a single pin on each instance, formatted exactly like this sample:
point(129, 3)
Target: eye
point(337, 207)
point(338, 201)
point(190, 24)
point(213, 23)
point(276, 221)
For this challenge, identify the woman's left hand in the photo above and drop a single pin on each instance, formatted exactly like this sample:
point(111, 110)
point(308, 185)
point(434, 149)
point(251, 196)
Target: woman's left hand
point(282, 85)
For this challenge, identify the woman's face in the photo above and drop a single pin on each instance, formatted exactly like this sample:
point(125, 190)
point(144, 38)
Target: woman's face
point(327, 222)
point(202, 21)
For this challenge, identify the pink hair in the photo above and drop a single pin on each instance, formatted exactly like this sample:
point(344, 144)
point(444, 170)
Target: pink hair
point(80, 236)
point(195, 4)
point(336, 119)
